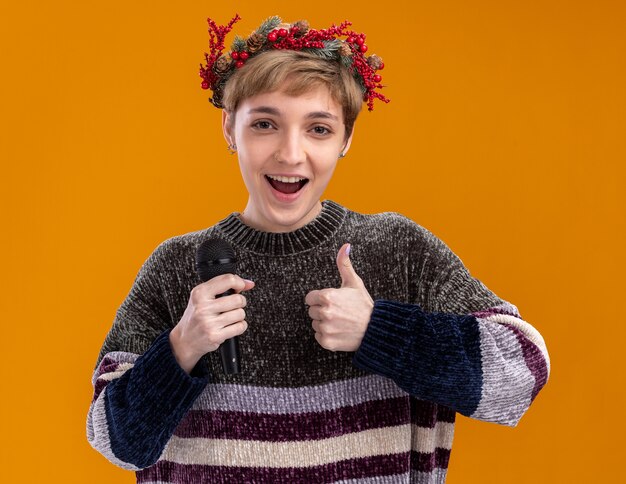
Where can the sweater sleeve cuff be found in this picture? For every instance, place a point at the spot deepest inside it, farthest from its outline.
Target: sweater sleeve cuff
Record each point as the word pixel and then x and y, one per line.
pixel 388 336
pixel 164 377
pixel 145 405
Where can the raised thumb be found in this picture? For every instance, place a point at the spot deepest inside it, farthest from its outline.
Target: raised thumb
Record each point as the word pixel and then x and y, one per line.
pixel 349 277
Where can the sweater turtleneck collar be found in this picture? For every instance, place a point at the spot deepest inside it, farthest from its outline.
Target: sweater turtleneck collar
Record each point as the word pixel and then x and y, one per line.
pixel 306 237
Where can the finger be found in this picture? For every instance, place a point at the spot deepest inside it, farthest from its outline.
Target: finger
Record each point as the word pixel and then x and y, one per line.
pixel 316 325
pixel 248 285
pixel 318 338
pixel 324 341
pixel 314 312
pixel 312 298
pixel 222 283
pixel 233 330
pixel 227 303
pixel 321 297
pixel 230 317
pixel 349 277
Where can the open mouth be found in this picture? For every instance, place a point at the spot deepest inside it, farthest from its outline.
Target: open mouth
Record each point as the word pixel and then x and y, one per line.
pixel 282 184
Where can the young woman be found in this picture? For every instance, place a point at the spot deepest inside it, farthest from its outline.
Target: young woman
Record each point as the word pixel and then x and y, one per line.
pixel 354 363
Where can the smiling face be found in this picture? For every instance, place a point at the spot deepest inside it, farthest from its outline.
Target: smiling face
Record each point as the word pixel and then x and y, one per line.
pixel 288 147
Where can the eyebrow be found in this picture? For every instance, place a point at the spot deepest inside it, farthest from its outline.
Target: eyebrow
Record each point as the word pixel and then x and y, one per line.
pixel 276 112
pixel 265 109
pixel 322 114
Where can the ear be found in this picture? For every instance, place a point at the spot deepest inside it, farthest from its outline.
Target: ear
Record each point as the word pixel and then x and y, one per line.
pixel 348 141
pixel 227 127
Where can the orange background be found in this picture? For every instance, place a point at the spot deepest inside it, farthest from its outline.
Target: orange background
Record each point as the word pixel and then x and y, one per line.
pixel 504 136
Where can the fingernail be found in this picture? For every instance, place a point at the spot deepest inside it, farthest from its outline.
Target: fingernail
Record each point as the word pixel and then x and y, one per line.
pixel 348 249
pixel 248 280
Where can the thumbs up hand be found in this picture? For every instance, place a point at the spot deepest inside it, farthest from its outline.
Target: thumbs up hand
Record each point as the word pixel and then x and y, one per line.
pixel 340 316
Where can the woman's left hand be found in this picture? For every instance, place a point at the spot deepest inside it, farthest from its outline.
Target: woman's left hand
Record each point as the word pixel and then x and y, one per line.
pixel 340 316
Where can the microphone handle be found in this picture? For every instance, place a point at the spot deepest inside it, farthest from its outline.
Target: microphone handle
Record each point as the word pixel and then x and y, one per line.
pixel 229 349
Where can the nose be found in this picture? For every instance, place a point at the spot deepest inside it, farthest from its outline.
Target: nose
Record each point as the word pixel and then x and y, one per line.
pixel 291 150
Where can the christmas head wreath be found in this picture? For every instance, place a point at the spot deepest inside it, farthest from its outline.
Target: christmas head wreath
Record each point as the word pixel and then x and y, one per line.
pixel 273 34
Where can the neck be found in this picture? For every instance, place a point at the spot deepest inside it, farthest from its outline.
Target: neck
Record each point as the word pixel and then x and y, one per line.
pixel 251 217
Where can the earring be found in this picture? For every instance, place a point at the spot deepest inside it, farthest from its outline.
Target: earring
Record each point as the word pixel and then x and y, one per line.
pixel 341 155
pixel 232 149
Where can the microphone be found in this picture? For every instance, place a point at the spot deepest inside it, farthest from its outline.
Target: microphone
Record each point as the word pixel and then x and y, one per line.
pixel 213 258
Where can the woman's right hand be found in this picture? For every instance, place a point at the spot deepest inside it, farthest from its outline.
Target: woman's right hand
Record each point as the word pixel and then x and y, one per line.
pixel 209 321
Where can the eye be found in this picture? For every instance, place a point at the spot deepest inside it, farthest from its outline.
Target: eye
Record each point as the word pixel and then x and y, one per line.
pixel 262 125
pixel 321 130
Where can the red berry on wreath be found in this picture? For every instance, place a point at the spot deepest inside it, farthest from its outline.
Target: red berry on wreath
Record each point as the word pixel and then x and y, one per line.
pixel 272 36
pixel 282 33
pixel 235 55
pixel 205 85
pixel 363 48
pixel 243 55
pixel 378 78
pixel 239 64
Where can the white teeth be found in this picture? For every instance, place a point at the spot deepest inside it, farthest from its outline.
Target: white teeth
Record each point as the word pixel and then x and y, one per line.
pixel 286 179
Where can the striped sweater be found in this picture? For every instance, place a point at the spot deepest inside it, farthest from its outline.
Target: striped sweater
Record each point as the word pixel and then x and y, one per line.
pixel 438 342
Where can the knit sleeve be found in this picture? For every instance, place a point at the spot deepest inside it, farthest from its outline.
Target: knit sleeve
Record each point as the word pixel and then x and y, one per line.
pixel 140 391
pixel 462 347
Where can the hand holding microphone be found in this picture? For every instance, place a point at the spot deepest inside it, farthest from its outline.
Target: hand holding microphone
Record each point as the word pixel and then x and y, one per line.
pixel 214 316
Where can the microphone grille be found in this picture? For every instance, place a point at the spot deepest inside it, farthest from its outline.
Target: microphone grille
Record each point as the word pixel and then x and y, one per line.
pixel 215 257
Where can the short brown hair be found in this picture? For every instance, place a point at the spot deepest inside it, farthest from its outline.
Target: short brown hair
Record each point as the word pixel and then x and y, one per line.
pixel 296 72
